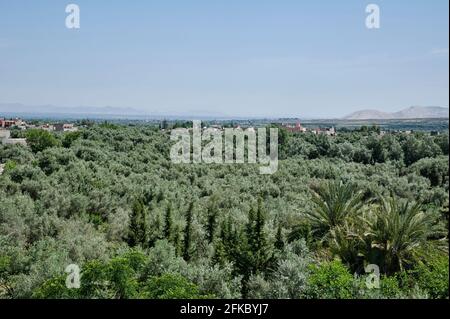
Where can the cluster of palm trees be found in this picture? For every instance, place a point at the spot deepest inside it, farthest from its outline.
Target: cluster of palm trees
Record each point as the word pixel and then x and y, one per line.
pixel 389 232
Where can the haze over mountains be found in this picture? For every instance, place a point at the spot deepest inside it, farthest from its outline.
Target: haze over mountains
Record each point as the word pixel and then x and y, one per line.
pixel 12 109
pixel 413 112
pixel 99 112
pixel 52 109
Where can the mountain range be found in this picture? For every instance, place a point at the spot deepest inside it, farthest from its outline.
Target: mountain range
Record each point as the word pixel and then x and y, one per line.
pixel 107 112
pixel 17 109
pixel 52 109
pixel 413 112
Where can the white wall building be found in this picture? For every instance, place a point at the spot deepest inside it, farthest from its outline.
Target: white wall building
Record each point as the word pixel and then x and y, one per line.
pixel 5 138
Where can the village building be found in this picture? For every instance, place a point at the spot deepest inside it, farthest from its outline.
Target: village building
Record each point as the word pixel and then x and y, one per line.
pixel 65 127
pixel 297 128
pixel 5 138
pixel 329 131
pixel 8 123
pixel 4 123
pixel 47 127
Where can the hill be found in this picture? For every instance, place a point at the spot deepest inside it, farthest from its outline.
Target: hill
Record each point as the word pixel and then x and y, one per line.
pixel 413 112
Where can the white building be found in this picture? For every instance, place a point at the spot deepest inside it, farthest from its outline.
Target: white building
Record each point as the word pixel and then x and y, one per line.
pixel 4 134
pixel 5 138
pixel 66 127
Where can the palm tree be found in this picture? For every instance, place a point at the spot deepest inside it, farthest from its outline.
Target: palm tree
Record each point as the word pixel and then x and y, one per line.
pixel 334 202
pixel 397 231
pixel 348 241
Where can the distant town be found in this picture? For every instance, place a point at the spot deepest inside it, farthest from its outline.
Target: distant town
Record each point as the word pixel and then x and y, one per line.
pixel 317 127
pixel 329 128
pixel 7 124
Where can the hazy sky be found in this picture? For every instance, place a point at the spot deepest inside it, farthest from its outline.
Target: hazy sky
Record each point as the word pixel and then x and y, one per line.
pixel 236 57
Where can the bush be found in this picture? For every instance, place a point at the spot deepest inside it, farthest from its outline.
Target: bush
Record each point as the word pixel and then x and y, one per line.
pixel 55 288
pixel 330 280
pixel 432 276
pixel 71 204
pixel 39 140
pixel 171 286
pixel 435 169
pixel 117 278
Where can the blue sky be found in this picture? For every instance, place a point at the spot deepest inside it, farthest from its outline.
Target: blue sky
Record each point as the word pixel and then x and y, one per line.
pixel 234 57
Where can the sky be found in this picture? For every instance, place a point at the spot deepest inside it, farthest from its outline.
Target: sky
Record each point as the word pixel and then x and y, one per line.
pixel 272 58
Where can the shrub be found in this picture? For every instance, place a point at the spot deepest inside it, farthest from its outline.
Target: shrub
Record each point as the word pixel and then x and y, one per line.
pixel 433 275
pixel 330 280
pixel 39 140
pixel 171 286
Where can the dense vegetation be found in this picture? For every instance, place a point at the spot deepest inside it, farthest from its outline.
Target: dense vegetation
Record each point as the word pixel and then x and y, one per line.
pixel 108 199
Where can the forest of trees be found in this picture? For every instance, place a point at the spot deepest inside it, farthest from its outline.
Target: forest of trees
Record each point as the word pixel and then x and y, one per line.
pixel 108 198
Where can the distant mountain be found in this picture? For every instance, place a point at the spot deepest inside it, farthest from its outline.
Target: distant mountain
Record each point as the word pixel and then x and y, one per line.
pixel 413 112
pixel 367 114
pixel 422 112
pixel 52 109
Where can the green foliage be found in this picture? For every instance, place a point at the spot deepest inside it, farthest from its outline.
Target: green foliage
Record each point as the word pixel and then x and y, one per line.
pixel 69 138
pixel 10 165
pixel 443 142
pixel 391 235
pixel 107 125
pixel 214 279
pixel 330 280
pixel 258 247
pixel 162 258
pixel 212 213
pixel 378 150
pixel 255 255
pixel 111 187
pixel 187 240
pixel 302 230
pixel 433 276
pixel 55 288
pixel 289 280
pixel 138 225
pixel 435 169
pixel 279 241
pixel 396 232
pixel 170 286
pixel 334 202
pixel 390 287
pixel 418 148
pixel 168 228
pixel 39 140
pixel 118 278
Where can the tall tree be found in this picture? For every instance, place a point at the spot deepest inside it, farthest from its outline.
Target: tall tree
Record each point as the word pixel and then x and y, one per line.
pixel 226 246
pixel 177 242
pixel 211 219
pixel 168 222
pixel 259 245
pixel 255 255
pixel 39 140
pixel 333 202
pixel 397 231
pixel 279 241
pixel 188 232
pixel 137 234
